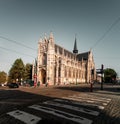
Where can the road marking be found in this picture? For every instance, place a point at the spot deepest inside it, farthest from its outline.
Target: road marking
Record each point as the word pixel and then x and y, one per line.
pixel 62 114
pixel 101 97
pixel 24 117
pixel 78 99
pixel 84 100
pixel 79 103
pixel 96 99
pixel 83 110
pixel 89 96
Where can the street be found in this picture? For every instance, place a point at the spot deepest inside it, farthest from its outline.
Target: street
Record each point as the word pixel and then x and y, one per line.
pixel 70 104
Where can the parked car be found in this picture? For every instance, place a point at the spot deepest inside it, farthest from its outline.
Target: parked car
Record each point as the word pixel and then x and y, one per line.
pixel 13 85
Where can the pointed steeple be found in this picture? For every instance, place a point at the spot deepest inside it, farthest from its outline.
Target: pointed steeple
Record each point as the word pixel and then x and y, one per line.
pixel 45 37
pixel 40 40
pixel 51 35
pixel 75 50
pixel 51 38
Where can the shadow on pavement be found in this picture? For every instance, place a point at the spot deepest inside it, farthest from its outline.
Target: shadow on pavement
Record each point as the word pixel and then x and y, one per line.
pixel 104 118
pixel 77 88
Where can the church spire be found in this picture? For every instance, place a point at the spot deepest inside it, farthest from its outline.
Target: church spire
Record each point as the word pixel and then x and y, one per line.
pixel 51 35
pixel 75 50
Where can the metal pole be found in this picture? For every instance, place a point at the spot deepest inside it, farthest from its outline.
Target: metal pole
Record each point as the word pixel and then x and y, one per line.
pixel 92 78
pixel 102 66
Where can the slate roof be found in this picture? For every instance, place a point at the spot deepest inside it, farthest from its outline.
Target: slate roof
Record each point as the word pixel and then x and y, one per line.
pixel 83 56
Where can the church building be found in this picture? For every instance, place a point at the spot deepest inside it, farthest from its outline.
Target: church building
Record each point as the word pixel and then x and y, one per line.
pixel 56 65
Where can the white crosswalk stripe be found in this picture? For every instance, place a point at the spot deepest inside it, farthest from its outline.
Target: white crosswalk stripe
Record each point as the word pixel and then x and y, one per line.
pixel 62 114
pixel 71 107
pixel 25 117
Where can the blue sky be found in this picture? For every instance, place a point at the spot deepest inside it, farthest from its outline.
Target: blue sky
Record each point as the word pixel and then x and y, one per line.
pixel 25 21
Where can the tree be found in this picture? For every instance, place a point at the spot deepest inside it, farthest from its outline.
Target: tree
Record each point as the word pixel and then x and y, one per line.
pixel 28 71
pixel 17 71
pixel 110 75
pixel 3 77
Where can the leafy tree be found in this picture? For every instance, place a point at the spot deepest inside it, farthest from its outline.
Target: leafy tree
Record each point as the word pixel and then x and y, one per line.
pixel 28 71
pixel 3 77
pixel 110 75
pixel 17 71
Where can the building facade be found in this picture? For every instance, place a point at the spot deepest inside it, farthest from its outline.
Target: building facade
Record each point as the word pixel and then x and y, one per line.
pixel 58 66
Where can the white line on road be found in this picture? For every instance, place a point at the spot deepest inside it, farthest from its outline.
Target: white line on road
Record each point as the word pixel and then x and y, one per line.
pixel 24 117
pixel 83 110
pixel 94 96
pixel 84 100
pixel 78 99
pixel 79 103
pixel 62 114
pixel 101 97
pixel 90 98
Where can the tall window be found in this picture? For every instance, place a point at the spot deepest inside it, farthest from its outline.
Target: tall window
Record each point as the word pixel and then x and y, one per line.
pixel 44 59
pixel 60 50
pixel 65 72
pixel 59 70
pixel 74 73
pixel 69 72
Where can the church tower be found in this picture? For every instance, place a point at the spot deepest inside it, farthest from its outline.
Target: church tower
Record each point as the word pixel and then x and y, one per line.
pixel 50 60
pixel 46 49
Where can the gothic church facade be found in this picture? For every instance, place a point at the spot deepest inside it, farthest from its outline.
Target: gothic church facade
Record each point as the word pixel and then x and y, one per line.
pixel 58 66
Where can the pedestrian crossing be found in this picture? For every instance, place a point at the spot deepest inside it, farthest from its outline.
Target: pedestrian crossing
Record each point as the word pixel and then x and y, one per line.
pixel 76 109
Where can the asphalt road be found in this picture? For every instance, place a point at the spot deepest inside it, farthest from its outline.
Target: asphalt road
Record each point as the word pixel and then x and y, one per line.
pixel 73 104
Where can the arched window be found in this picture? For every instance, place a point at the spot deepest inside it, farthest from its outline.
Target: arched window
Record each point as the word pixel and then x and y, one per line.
pixel 44 59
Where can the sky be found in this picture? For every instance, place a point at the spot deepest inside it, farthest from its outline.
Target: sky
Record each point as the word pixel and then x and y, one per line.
pixel 95 23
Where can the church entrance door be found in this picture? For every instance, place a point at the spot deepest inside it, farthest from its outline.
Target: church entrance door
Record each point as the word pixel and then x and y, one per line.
pixel 43 76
